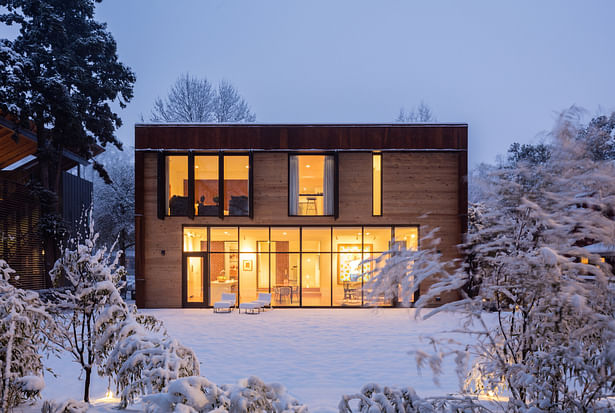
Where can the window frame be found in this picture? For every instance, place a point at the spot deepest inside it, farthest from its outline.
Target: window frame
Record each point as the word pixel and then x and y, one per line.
pixel 163 211
pixel 379 154
pixel 333 154
pixel 250 185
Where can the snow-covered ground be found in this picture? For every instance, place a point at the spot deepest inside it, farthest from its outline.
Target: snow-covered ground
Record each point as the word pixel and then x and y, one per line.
pixel 318 354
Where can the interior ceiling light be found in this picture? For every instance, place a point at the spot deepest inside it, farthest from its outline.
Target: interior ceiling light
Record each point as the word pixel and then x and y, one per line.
pixel 307 166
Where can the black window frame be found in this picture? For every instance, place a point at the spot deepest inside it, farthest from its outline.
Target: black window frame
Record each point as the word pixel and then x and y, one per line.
pixel 163 211
pixel 334 154
pixel 193 185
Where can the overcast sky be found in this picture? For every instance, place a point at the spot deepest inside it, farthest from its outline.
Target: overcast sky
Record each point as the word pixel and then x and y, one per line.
pixel 505 69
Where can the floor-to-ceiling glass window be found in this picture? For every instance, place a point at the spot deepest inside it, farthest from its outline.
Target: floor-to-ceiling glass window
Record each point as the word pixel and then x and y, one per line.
pixel 316 266
pixel 223 262
pixel 376 240
pixel 347 268
pixel 285 266
pixel 307 266
pixel 253 262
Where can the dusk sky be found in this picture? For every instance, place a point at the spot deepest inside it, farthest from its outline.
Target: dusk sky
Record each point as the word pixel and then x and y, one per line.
pixel 505 69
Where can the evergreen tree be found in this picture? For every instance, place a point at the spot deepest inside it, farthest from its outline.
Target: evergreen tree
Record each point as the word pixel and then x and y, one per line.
pixel 59 77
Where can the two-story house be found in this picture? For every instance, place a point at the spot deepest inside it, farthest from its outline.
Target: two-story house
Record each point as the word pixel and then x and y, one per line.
pixel 294 210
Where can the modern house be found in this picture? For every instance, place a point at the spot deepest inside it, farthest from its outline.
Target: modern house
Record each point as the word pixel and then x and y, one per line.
pixel 294 210
pixel 20 237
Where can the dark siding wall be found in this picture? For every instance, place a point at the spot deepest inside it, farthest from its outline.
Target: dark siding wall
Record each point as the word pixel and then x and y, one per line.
pixel 76 198
pixel 20 242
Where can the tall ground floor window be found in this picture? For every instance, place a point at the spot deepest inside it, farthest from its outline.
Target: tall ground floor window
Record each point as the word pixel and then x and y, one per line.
pixel 306 266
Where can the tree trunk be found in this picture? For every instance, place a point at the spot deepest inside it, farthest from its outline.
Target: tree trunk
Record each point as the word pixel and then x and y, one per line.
pixel 7 368
pixel 86 389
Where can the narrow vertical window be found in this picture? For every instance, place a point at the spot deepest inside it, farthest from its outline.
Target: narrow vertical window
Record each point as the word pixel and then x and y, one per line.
pixel 177 200
pixel 206 195
pixel 377 184
pixel 236 185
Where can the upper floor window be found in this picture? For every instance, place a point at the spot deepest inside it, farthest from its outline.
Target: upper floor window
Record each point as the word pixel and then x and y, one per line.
pixel 311 186
pixel 205 185
pixel 236 185
pixel 177 200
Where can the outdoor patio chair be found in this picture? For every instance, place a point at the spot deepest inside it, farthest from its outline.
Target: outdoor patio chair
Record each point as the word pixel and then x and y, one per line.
pixel 264 299
pixel 226 305
pixel 253 307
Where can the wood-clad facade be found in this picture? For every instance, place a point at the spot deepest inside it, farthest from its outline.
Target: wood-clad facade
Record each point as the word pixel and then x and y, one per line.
pixel 422 185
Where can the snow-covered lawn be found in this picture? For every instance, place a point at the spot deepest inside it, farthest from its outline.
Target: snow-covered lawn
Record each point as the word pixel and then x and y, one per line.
pixel 318 354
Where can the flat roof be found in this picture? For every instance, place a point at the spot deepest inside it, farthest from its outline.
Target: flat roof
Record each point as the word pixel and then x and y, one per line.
pixel 301 136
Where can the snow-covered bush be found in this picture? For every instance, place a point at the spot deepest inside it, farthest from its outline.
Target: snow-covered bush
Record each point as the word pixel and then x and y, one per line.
pixel 376 399
pixel 89 303
pixel 199 395
pixel 549 344
pixel 23 323
pixel 142 362
pixel 64 406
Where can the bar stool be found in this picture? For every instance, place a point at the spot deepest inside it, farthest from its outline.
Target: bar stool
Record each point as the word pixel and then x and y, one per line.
pixel 310 204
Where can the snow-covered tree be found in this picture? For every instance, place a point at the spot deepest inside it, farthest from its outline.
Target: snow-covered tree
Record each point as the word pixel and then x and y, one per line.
pixel 550 340
pixel 374 399
pixel 114 202
pixel 144 359
pixel 199 395
pixel 59 78
pixel 193 99
pixel 88 301
pixel 24 323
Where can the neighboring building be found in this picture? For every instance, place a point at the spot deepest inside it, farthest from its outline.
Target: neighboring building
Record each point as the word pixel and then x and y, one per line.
pixel 288 209
pixel 20 239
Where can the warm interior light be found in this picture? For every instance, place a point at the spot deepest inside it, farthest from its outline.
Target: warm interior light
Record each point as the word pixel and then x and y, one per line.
pixel 109 394
pixel 247 166
pixel 307 166
pixel 284 233
pixel 225 232
pixel 196 166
